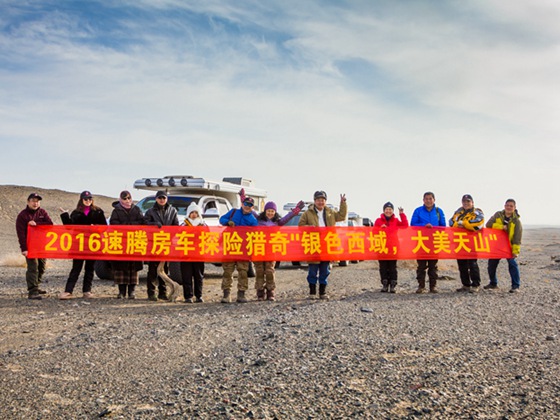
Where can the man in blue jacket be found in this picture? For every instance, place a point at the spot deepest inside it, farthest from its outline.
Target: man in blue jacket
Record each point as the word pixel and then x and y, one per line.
pixel 237 217
pixel 428 215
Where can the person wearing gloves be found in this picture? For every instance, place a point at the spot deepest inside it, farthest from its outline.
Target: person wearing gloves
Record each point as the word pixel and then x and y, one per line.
pixel 125 273
pixel 508 220
pixel 32 215
pixel 265 273
pixel 192 272
pixel 318 214
pixel 237 217
pixel 161 214
pixel 390 223
pixel 470 218
pixel 86 213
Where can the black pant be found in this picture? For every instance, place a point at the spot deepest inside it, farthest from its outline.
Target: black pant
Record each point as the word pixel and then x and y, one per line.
pixel 388 269
pixel 190 271
pixel 469 272
pixel 75 273
pixel 154 281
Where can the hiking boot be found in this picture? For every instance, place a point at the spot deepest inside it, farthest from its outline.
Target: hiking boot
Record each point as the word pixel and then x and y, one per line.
pixel 323 292
pixel 88 295
pixel 393 287
pixel 421 290
pixel 514 290
pixel 434 290
pixel 226 297
pixel 153 298
pixel 260 295
pixel 42 292
pixel 65 296
pixel 34 296
pixel 270 295
pixel 385 286
pixel 312 291
pixel 474 289
pixel 464 289
pixel 241 296
pixel 490 286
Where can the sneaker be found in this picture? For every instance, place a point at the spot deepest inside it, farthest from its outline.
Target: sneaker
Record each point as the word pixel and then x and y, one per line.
pixel 162 296
pixel 421 290
pixel 120 296
pixel 260 295
pixel 88 295
pixel 434 290
pixel 270 295
pixel 132 295
pixel 42 292
pixel 463 289
pixel 34 296
pixel 490 286
pixel 65 296
pixel 188 300
pixel 153 298
pixel 474 289
pixel 516 290
pixel 199 300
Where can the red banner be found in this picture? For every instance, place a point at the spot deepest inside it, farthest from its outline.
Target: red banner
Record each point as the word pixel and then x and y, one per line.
pixel 220 244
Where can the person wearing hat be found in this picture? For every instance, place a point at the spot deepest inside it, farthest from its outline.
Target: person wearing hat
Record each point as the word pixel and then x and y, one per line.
pixel 86 213
pixel 318 214
pixel 265 273
pixel 161 214
pixel 429 216
pixel 125 273
pixel 237 217
pixel 509 221
pixel 390 223
pixel 470 218
pixel 192 272
pixel 32 215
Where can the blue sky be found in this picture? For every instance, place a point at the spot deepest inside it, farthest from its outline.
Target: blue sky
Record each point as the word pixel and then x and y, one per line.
pixel 379 100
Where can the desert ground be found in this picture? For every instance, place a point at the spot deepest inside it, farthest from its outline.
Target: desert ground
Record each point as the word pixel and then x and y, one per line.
pixel 360 354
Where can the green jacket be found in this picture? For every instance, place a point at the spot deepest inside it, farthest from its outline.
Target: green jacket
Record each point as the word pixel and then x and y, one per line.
pixel 514 228
pixel 310 218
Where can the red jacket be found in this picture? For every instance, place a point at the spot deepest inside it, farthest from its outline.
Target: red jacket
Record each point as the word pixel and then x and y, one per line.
pixel 40 216
pixel 393 222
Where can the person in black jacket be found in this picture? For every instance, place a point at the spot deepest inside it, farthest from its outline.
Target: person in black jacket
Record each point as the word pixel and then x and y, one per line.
pixel 161 214
pixel 86 213
pixel 125 273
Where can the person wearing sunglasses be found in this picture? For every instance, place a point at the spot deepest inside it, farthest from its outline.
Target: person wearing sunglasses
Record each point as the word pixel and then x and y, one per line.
pixel 237 217
pixel 85 213
pixel 125 273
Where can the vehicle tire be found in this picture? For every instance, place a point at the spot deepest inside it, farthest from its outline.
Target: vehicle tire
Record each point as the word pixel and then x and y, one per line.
pixel 103 270
pixel 251 270
pixel 277 265
pixel 343 263
pixel 175 272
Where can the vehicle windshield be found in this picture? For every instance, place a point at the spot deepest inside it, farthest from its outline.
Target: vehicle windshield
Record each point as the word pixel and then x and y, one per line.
pixel 293 221
pixel 180 203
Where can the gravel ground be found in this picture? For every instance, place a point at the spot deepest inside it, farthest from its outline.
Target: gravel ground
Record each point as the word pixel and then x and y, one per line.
pixel 361 354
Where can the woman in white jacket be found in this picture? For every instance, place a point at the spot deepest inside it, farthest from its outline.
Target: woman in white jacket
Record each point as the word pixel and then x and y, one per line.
pixel 192 272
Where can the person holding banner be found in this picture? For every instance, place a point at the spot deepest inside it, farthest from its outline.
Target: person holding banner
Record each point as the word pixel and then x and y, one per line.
pixel 237 217
pixel 390 223
pixel 428 215
pixel 508 220
pixel 32 215
pixel 265 269
pixel 125 212
pixel 192 272
pixel 161 214
pixel 318 214
pixel 470 218
pixel 86 213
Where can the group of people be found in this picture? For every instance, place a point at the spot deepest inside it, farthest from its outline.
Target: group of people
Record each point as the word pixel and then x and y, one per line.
pixel 318 214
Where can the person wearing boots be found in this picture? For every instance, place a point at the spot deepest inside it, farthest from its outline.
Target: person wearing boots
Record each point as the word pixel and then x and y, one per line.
pixel 318 214
pixel 508 220
pixel 86 213
pixel 192 272
pixel 390 223
pixel 161 214
pixel 32 215
pixel 470 218
pixel 125 273
pixel 237 217
pixel 428 215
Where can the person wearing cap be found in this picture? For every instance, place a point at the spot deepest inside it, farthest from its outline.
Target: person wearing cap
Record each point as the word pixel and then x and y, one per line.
pixel 509 221
pixel 318 214
pixel 161 214
pixel 86 213
pixel 265 272
pixel 429 216
pixel 471 218
pixel 32 215
pixel 390 223
pixel 192 272
pixel 237 217
pixel 125 273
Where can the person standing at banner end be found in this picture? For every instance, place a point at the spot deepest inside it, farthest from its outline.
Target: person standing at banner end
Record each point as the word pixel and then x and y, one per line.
pixel 32 215
pixel 428 215
pixel 318 214
pixel 237 217
pixel 509 221
pixel 471 218
pixel 390 223
pixel 86 213
pixel 125 273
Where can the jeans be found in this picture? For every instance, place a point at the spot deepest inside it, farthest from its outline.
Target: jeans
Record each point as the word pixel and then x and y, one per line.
pixel 320 271
pixel 513 272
